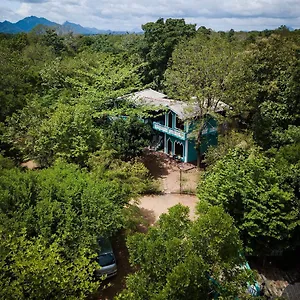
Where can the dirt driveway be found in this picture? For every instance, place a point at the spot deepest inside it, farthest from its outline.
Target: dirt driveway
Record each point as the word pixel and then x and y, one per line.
pixel 167 171
pixel 153 206
pixel 174 177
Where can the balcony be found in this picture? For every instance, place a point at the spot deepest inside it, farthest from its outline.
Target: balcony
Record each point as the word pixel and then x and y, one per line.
pixel 171 131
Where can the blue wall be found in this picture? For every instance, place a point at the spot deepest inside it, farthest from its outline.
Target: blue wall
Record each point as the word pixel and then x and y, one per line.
pixel 173 140
pixel 210 138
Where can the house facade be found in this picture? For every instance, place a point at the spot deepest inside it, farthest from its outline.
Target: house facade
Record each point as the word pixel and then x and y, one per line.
pixel 175 126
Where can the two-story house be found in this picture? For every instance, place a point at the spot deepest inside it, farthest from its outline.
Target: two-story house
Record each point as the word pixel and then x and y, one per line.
pixel 175 125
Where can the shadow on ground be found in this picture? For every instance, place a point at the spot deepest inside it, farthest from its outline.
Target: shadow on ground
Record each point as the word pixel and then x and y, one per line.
pixel 174 176
pixel 280 274
pixel 149 216
pixel 156 162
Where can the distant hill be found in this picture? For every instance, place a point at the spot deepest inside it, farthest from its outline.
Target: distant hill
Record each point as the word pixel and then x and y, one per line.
pixel 8 27
pixel 76 28
pixel 28 23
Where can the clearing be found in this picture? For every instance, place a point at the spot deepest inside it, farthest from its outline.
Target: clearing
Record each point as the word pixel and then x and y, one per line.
pixel 167 171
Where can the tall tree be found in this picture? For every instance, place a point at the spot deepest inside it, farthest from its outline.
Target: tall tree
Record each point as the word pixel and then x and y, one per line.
pixel 50 221
pixel 180 259
pixel 198 73
pixel 67 132
pixel 127 137
pixel 198 70
pixel 14 85
pixel 256 192
pixel 264 88
pixel 64 120
pixel 160 39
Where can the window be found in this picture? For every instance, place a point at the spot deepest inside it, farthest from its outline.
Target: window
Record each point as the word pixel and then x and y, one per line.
pixel 170 120
pixel 178 149
pixel 179 124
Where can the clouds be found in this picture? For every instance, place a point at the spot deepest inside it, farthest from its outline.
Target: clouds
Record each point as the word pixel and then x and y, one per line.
pixel 126 14
pixel 31 1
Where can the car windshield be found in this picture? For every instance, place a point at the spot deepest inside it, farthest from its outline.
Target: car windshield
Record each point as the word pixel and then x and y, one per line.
pixel 106 259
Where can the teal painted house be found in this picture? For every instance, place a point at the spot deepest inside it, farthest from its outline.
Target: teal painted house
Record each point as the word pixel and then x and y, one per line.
pixel 173 122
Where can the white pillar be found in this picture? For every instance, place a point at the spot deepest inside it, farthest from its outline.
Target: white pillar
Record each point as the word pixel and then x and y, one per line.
pixel 165 143
pixel 186 151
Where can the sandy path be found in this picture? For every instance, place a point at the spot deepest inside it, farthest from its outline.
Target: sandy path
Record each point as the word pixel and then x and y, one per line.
pixel 153 206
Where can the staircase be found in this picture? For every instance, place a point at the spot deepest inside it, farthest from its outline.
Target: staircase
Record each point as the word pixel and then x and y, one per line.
pixel 157 143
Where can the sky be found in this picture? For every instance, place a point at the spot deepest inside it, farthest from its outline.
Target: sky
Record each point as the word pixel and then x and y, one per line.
pixel 129 15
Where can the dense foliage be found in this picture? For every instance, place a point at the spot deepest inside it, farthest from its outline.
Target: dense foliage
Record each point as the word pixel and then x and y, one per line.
pixel 160 39
pixel 128 137
pixel 60 105
pixel 50 222
pixel 263 87
pixel 260 194
pixel 181 259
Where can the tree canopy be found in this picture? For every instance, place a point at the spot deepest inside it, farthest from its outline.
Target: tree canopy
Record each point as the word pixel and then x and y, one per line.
pixel 50 222
pixel 181 259
pixel 61 105
pixel 257 192
pixel 160 39
pixel 264 91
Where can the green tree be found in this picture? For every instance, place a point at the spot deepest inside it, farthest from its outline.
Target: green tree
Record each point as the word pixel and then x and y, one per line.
pixel 128 137
pixel 255 192
pixel 89 77
pixel 198 75
pixel 132 176
pixel 50 222
pixel 179 259
pixel 198 70
pixel 13 82
pixel 160 39
pixel 51 39
pixel 264 88
pixel 48 90
pixel 44 135
pixel 229 140
pixel 35 269
pixel 69 133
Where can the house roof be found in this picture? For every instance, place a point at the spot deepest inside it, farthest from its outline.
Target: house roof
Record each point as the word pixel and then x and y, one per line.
pixel 149 93
pixel 182 109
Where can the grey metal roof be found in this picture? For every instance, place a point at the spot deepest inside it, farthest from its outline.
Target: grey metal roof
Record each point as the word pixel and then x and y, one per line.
pixel 149 93
pixel 182 109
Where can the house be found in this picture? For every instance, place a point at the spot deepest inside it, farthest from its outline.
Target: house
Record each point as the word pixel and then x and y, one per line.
pixel 175 122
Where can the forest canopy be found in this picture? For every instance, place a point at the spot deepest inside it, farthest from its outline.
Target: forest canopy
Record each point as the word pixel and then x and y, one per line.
pixel 61 106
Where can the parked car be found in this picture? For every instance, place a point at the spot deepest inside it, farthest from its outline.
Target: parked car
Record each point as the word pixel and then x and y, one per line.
pixel 106 259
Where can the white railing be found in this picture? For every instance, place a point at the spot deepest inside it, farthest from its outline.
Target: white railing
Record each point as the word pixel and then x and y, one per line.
pixel 171 131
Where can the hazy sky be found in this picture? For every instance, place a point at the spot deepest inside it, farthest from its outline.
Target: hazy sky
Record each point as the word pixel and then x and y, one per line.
pixel 129 15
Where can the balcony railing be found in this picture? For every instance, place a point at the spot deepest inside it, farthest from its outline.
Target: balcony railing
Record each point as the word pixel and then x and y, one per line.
pixel 171 131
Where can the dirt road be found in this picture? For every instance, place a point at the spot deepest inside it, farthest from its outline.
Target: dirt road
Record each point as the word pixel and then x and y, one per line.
pixel 153 206
pixel 167 171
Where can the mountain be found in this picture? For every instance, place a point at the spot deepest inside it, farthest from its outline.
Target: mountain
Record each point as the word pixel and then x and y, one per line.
pixel 8 27
pixel 76 28
pixel 28 23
